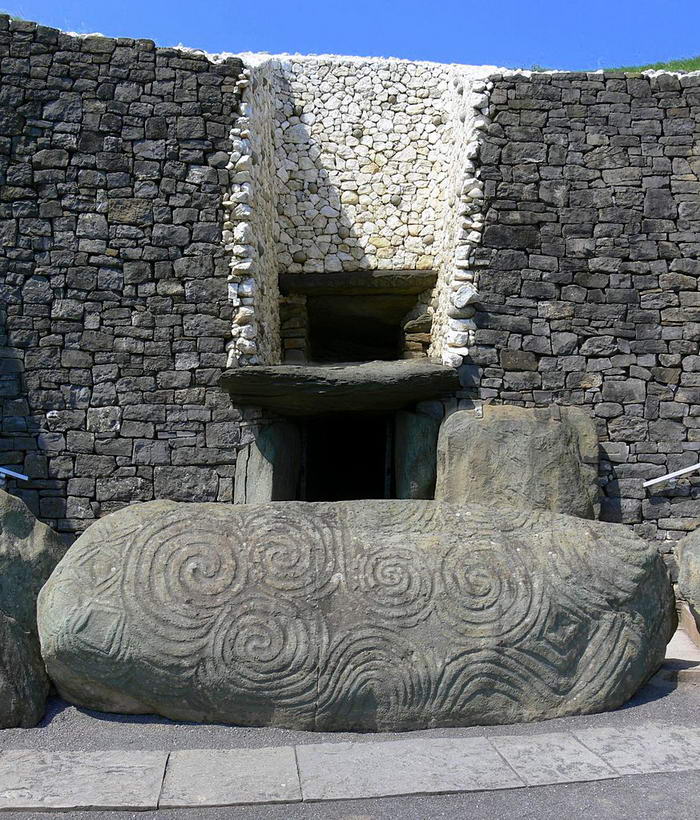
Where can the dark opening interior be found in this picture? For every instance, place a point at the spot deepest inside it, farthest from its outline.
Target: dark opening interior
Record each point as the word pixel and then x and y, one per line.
pixel 347 457
pixel 356 328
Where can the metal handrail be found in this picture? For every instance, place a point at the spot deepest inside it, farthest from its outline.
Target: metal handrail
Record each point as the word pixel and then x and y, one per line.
pixel 6 473
pixel 671 475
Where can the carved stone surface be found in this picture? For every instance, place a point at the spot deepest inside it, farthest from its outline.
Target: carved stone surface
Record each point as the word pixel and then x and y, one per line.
pixel 29 551
pixel 297 390
pixel 527 458
pixel 688 552
pixel 371 615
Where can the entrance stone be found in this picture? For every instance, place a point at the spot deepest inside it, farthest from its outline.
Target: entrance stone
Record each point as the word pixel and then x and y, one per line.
pixel 29 551
pixel 543 459
pixel 359 615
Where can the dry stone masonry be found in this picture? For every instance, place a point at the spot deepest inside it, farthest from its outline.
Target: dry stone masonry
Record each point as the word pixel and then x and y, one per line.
pixel 114 311
pixel 589 286
pixel 151 198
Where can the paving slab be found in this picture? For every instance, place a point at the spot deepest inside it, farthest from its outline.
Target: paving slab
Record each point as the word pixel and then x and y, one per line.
pixel 64 781
pixel 645 750
pixel 222 777
pixel 554 757
pixel 344 771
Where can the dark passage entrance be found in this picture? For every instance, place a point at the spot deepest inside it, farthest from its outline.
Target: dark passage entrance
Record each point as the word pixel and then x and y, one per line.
pixel 356 328
pixel 348 457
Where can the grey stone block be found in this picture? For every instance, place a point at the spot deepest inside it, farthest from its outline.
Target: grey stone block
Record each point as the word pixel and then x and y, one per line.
pixel 29 551
pixel 644 750
pixel 216 777
pixel 688 553
pixel 346 771
pixel 556 757
pixel 370 615
pixel 74 781
pixel 531 459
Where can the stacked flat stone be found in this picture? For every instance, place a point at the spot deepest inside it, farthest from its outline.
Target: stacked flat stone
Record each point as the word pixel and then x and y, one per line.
pixel 114 307
pixel 454 327
pixel 590 287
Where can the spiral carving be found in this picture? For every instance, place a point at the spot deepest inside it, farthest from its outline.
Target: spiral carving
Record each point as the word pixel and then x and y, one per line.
pixel 178 574
pixel 395 583
pixel 265 648
pixel 488 591
pixel 292 551
pixel 353 615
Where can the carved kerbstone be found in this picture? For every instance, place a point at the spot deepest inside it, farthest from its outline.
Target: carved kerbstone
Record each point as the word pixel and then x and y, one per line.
pixel 544 458
pixel 370 615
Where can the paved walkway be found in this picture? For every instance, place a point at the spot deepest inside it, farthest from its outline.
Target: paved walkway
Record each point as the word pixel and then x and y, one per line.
pixel 135 780
pixel 47 780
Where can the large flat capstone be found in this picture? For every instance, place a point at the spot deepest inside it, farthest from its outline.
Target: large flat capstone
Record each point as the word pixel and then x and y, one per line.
pixel 369 615
pixel 301 390
pixel 29 551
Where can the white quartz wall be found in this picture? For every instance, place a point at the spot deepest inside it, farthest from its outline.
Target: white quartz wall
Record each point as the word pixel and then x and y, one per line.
pixel 347 164
pixel 252 227
pixel 362 163
pixel 462 218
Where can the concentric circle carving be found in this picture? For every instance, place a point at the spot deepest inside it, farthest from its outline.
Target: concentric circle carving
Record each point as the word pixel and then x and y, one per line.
pixel 488 591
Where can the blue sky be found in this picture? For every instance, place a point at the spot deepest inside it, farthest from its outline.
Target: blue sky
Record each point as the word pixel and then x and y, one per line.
pixel 565 34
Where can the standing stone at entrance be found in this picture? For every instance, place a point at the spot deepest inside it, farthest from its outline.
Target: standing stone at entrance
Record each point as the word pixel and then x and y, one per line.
pixel 356 615
pixel 29 551
pixel 267 469
pixel 543 459
pixel 688 553
pixel 415 442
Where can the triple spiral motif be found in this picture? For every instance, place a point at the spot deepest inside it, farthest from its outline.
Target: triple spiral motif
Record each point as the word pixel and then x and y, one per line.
pixel 335 616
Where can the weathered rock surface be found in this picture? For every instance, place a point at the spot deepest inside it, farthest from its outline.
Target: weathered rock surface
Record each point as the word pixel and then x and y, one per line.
pixel 29 551
pixel 688 555
pixel 372 615
pixel 298 390
pixel 544 459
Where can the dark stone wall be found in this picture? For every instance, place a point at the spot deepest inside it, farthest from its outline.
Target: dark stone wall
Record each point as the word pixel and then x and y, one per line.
pixel 589 273
pixel 113 281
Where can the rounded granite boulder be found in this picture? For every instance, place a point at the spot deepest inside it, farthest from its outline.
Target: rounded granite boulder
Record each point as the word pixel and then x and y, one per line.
pixel 29 551
pixel 359 615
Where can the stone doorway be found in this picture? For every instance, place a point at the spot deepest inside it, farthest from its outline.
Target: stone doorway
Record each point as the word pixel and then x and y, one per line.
pixel 340 457
pixel 347 456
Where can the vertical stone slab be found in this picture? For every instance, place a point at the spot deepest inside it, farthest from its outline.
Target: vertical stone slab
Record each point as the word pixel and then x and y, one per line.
pixel 268 469
pixel 541 459
pixel 415 454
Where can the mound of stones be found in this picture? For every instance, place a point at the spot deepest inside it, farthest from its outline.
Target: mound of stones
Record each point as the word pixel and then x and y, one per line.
pixel 29 551
pixel 366 615
pixel 688 554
